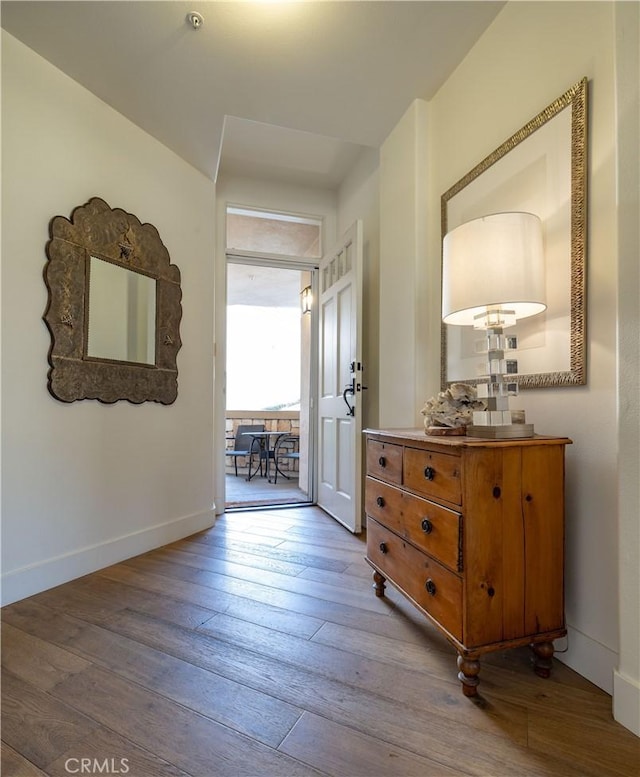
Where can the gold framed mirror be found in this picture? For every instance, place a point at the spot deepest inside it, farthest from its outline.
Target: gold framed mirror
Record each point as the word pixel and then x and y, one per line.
pixel 114 308
pixel 541 169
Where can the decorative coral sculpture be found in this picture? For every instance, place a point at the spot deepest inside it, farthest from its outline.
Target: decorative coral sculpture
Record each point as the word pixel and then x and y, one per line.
pixel 452 410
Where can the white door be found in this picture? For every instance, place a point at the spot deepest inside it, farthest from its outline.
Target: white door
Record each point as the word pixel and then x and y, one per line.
pixel 340 381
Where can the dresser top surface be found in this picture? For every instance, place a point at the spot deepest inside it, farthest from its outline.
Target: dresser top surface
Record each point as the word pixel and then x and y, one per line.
pixel 459 441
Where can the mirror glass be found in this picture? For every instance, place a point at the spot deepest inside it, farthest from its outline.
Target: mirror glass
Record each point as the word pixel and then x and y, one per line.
pixel 122 314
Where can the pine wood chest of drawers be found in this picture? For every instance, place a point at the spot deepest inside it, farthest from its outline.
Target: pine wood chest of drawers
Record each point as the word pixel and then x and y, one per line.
pixel 471 531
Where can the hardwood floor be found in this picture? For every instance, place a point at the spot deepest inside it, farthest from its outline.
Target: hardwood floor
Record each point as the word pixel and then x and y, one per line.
pixel 258 648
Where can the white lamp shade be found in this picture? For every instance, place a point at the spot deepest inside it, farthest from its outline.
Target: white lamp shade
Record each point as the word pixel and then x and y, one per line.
pixel 496 260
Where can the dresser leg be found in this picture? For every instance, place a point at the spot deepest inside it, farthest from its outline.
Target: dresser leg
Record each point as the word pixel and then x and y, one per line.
pixel 542 658
pixel 468 675
pixel 378 583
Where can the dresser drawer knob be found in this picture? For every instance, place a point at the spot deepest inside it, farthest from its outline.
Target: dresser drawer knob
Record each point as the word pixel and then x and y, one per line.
pixel 383 548
pixel 431 587
pixel 429 473
pixel 427 526
pixel 380 501
pixel 382 461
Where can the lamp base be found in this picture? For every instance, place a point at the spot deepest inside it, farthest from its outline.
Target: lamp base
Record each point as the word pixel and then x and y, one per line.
pixel 504 432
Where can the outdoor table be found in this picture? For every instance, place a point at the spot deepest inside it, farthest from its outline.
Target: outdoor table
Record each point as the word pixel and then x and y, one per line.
pixel 267 450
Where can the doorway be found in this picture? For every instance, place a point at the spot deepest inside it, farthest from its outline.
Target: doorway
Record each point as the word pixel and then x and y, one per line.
pixel 268 386
pixel 270 360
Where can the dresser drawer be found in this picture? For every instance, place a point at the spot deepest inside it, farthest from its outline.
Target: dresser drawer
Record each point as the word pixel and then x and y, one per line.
pixel 425 524
pixel 433 474
pixel 384 461
pixel 421 578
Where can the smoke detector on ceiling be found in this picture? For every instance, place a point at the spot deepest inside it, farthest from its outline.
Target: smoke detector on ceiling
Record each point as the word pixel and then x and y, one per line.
pixel 195 19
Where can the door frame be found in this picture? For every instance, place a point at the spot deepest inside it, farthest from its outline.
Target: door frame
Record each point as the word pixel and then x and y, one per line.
pixel 288 263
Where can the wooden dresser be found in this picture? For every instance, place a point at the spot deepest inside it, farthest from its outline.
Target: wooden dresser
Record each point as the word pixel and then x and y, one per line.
pixel 471 531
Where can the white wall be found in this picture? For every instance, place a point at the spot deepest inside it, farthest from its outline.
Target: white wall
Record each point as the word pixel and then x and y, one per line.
pixel 86 484
pixel 626 699
pixel 529 56
pixel 403 233
pixel 358 199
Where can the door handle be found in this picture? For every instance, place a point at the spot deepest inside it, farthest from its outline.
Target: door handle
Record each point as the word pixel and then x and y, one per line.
pixel 349 389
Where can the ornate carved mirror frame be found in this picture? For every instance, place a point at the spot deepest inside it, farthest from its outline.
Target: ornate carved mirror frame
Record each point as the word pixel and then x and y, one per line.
pixel 119 238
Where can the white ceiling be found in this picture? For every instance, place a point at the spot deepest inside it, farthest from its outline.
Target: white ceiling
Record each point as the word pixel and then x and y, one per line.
pixel 288 91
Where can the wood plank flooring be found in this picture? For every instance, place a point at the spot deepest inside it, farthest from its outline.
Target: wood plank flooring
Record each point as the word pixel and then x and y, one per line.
pixel 258 649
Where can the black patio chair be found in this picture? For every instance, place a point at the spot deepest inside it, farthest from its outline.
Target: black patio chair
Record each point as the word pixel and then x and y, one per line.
pixel 245 445
pixel 287 447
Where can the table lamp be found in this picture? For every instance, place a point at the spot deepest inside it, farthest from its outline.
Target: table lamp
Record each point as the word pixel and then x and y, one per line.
pixel 493 275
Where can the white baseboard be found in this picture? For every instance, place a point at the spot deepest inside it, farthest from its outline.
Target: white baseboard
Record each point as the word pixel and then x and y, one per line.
pixel 34 578
pixel 589 658
pixel 626 702
pixel 597 663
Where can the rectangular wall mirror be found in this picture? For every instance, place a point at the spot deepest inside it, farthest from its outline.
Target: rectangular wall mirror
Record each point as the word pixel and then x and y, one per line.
pixel 122 314
pixel 541 169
